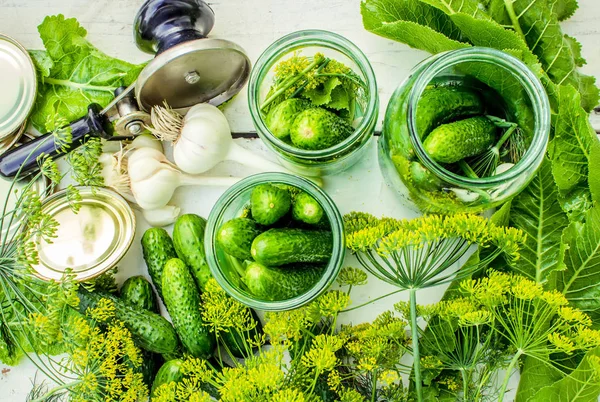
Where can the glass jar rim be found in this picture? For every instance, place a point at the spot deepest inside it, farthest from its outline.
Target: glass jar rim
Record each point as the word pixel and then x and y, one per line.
pixel 530 83
pixel 312 37
pixel 337 229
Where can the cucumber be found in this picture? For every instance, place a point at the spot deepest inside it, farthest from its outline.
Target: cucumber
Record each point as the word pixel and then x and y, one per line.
pixel 170 371
pixel 150 331
pixel 423 178
pixel 444 104
pixel 281 118
pixel 182 299
pixel 306 209
pixel 317 128
pixel 274 284
pixel 157 248
pixel 453 142
pixel 188 239
pixel 287 246
pixel 269 203
pixel 138 292
pixel 235 237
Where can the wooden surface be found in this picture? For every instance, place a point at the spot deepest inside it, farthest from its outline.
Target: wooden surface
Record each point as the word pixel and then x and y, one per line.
pixel 254 25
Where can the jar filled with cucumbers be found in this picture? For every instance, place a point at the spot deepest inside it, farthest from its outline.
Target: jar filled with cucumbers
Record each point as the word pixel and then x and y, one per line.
pixel 274 241
pixel 313 100
pixel 465 132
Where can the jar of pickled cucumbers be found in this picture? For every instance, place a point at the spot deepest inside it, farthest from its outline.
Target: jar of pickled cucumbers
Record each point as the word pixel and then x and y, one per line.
pixel 465 132
pixel 313 100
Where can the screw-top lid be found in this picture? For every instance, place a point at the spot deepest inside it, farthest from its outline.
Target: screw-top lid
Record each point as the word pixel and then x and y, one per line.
pixel 197 71
pixel 18 86
pixel 90 241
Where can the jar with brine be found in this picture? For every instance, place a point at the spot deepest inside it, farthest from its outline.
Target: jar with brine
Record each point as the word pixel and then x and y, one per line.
pixel 465 132
pixel 313 100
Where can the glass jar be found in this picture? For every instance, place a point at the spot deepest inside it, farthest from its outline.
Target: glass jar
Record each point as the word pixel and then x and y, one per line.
pixel 509 88
pixel 308 43
pixel 227 270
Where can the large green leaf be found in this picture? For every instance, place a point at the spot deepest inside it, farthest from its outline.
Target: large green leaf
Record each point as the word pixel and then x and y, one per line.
pixel 537 212
pixel 573 141
pixel 535 375
pixel 582 385
pixel 580 280
pixel 73 73
pixel 539 24
pixel 594 173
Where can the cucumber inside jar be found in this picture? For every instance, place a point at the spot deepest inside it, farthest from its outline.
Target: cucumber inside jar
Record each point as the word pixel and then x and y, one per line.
pixel 279 244
pixel 315 101
pixel 468 129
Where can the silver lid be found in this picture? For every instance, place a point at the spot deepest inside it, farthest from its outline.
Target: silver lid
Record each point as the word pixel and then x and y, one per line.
pixel 197 71
pixel 18 86
pixel 90 241
pixel 12 139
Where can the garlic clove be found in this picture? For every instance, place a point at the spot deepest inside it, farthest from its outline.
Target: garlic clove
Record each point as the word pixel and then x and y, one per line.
pixel 157 190
pixel 161 216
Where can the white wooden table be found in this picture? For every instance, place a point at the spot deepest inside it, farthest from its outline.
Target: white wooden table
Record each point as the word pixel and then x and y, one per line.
pixel 254 25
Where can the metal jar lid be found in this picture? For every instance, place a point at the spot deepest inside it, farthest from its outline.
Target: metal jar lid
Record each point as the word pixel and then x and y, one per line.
pixel 9 196
pixel 18 85
pixel 89 242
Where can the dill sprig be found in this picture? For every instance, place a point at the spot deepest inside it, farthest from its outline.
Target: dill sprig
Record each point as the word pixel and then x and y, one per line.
pixel 421 253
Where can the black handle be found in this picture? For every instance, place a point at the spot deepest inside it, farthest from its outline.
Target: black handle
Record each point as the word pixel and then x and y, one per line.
pixel 162 24
pixel 24 159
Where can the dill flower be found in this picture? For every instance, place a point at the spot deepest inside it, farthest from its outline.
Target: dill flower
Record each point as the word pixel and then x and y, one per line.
pixel 479 317
pixel 350 395
pixel 389 378
pixel 350 276
pixel 574 316
pixel 222 313
pixel 321 355
pixel 330 304
pixel 334 380
pixel 289 395
pixel 286 325
pixel 103 311
pixel 561 342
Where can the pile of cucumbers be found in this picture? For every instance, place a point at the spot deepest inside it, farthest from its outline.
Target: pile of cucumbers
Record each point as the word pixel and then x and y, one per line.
pixel 179 273
pixel 283 241
pixel 453 124
pixel 306 126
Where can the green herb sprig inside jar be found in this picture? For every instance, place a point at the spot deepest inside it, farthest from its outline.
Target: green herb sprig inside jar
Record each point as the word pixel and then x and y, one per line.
pixel 465 132
pixel 313 100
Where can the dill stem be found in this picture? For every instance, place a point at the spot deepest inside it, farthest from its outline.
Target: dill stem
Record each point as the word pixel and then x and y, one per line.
pixel 506 136
pixel 56 390
pixel 467 170
pixel 465 384
pixel 288 83
pixel 507 376
pixel 372 301
pixel 374 386
pixel 415 343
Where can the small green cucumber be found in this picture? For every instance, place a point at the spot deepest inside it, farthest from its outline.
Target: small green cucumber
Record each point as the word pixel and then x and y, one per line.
pixel 188 240
pixel 274 284
pixel 138 292
pixel 170 371
pixel 157 248
pixel 317 128
pixel 269 203
pixel 235 237
pixel 150 331
pixel 287 246
pixel 306 209
pixel 444 104
pixel 281 118
pixel 182 299
pixel 452 142
pixel 423 178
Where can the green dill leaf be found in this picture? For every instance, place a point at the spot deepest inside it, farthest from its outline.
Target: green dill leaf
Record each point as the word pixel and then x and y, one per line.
pixel 74 72
pixel 537 212
pixel 581 275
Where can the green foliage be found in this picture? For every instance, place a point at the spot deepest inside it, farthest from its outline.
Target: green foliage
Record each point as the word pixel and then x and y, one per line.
pixel 73 73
